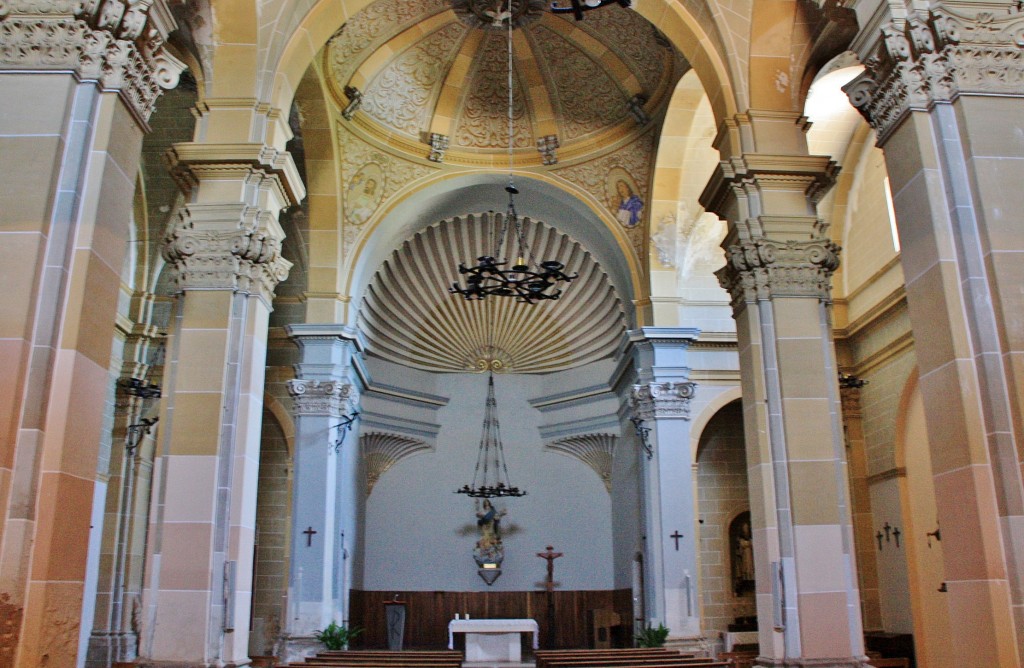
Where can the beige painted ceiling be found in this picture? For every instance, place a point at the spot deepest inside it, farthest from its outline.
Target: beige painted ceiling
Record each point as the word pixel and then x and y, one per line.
pixel 423 67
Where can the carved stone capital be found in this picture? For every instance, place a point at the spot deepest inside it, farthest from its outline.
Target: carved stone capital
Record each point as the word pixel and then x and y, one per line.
pixel 322 397
pixel 669 399
pixel 208 254
pixel 765 268
pixel 923 60
pixel 120 44
pixel 850 397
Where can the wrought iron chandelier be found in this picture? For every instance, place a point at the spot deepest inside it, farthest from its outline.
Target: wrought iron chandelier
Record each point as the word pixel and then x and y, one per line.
pixel 577 7
pixel 526 280
pixel 490 478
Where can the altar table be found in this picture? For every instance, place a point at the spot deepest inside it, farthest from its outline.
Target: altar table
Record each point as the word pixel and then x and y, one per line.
pixel 492 639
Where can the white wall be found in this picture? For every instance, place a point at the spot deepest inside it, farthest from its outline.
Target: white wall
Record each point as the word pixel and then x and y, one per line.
pixel 420 534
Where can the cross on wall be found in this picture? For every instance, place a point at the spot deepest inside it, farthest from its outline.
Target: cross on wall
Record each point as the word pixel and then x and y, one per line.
pixel 310 532
pixel 676 536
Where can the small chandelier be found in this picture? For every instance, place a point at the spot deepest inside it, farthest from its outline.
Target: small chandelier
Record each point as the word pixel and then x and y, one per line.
pixel 527 280
pixel 490 478
pixel 577 7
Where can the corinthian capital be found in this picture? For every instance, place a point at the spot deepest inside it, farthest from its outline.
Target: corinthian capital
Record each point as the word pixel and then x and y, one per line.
pixel 118 43
pixel 763 268
pixel 209 252
pixel 663 400
pixel 927 59
pixel 322 397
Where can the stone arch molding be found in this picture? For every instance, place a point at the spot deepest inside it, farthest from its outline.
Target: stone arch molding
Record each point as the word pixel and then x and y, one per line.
pixel 382 450
pixel 595 450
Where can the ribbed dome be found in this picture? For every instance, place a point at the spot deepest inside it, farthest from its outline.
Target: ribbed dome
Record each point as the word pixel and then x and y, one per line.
pixel 410 318
pixel 424 67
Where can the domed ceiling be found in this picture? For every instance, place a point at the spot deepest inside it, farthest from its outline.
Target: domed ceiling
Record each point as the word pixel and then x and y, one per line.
pixel 439 67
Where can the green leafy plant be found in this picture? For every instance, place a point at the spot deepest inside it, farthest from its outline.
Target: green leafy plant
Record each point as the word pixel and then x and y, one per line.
pixel 652 637
pixel 337 637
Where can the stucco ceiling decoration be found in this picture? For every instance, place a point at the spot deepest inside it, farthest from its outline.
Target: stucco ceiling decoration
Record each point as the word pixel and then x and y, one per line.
pixel 594 450
pixel 439 68
pixel 492 13
pixel 382 450
pixel 410 318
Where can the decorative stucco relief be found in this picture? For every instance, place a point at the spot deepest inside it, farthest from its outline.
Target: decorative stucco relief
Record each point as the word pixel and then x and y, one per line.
pixel 362 163
pixel 483 120
pixel 764 268
pixel 932 59
pixel 586 98
pixel 381 451
pixel 637 42
pixel 322 397
pixel 400 94
pixel 669 399
pixel 594 177
pixel 594 450
pixel 118 44
pixel 371 27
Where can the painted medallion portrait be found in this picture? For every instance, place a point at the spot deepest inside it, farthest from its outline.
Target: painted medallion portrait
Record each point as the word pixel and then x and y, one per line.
pixel 364 193
pixel 624 197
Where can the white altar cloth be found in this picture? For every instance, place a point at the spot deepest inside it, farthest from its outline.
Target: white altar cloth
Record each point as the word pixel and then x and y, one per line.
pixel 492 639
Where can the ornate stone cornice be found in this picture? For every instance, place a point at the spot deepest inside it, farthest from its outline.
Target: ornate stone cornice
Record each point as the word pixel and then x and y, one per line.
pixel 322 397
pixel 765 268
pixel 850 397
pixel 117 43
pixel 669 399
pixel 209 253
pixel 924 60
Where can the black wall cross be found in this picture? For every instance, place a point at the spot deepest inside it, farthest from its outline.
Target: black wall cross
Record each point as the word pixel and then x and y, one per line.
pixel 310 532
pixel 676 536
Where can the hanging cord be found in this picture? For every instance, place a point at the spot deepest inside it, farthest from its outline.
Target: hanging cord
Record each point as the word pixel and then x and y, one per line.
pixel 511 188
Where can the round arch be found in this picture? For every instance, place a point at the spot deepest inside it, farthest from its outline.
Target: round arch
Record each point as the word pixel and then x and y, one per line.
pixel 700 422
pixel 698 41
pixel 555 202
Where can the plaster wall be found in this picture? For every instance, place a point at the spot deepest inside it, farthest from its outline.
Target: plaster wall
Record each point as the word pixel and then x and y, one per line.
pixel 420 535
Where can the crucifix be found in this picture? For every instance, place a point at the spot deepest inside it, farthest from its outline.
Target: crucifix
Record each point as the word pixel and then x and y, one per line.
pixel 549 584
pixel 879 536
pixel 309 536
pixel 676 536
pixel 896 534
pixel 550 555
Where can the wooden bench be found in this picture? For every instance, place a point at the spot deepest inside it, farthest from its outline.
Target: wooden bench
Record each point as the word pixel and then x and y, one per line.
pixel 544 656
pixel 900 662
pixel 622 663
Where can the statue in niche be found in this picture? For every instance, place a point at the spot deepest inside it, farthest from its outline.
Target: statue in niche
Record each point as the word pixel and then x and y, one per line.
pixel 741 551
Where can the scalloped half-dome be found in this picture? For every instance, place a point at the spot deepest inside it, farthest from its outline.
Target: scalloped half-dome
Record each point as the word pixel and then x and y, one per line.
pixel 410 318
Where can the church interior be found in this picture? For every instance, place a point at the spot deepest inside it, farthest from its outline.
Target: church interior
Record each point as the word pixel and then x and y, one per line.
pixel 595 315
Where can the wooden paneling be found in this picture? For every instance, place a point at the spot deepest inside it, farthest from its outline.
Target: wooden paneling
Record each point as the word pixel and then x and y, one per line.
pixel 429 612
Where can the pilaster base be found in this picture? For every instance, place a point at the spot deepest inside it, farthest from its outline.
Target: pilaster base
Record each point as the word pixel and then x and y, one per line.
pixel 110 648
pixel 297 648
pixel 839 662
pixel 696 645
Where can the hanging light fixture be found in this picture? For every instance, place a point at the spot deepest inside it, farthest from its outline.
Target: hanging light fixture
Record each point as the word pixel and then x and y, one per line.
pixel 577 7
pixel 490 478
pixel 527 280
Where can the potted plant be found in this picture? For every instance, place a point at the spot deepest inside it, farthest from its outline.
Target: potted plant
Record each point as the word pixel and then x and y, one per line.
pixel 652 637
pixel 335 637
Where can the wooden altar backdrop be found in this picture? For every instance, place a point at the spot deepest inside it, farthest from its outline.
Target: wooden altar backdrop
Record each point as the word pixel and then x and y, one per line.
pixel 429 612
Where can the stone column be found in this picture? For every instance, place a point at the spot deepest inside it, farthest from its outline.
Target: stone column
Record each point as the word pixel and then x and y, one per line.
pixel 325 397
pixel 78 81
pixel 662 400
pixel 225 250
pixel 943 91
pixel 779 265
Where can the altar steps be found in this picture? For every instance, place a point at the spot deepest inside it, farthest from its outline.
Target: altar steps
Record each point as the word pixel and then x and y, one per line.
pixel 382 659
pixel 624 658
